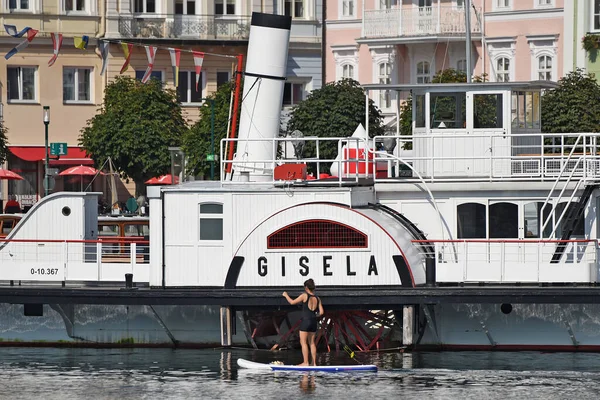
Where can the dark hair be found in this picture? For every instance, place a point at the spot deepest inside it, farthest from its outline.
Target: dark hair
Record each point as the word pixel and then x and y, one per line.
pixel 309 284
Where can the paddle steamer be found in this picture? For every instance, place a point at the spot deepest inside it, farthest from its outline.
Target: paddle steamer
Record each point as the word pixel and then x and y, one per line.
pixel 477 197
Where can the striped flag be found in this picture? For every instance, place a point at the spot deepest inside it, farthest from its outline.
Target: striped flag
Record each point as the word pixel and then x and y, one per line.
pixel 57 39
pixel 151 54
pixel 175 56
pixel 198 59
pixel 81 42
pixel 127 49
pixel 103 47
pixel 12 31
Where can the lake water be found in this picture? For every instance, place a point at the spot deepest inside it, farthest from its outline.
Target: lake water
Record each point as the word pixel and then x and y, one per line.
pixel 57 373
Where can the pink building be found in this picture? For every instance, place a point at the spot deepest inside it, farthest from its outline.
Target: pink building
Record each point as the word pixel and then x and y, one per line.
pixel 408 41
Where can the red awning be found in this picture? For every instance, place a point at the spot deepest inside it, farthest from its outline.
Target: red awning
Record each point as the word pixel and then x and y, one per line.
pixel 75 155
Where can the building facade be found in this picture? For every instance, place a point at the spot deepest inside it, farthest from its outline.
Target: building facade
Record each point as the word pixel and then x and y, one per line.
pixel 408 41
pixel 73 87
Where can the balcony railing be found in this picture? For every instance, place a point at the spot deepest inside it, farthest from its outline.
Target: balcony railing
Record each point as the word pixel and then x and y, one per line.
pixel 207 27
pixel 422 21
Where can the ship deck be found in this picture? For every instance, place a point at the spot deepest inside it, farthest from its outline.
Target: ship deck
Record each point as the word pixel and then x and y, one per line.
pixel 251 298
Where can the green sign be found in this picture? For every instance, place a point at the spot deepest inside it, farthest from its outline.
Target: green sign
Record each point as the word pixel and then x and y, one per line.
pixel 210 157
pixel 58 149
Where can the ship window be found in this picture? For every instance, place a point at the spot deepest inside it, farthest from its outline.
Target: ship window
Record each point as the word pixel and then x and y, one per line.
pixel 211 221
pixel 532 221
pixel 316 234
pixel 487 111
pixel 447 111
pixel 471 221
pixel 504 221
pixel 579 226
pixel 420 111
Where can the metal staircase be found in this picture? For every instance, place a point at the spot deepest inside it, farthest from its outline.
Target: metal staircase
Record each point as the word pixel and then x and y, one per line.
pixel 573 219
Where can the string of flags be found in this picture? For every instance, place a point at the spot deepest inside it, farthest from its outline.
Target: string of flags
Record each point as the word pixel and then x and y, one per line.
pixel 82 42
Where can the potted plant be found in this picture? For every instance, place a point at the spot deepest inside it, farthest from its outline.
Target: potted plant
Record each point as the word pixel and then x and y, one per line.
pixel 590 41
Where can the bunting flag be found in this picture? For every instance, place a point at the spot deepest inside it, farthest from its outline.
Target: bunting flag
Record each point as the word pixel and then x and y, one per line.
pixel 151 54
pixel 12 31
pixel 57 39
pixel 127 49
pixel 198 59
pixel 103 47
pixel 81 42
pixel 175 56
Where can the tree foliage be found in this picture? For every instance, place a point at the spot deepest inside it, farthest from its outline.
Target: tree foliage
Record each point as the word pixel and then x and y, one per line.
pixel 3 143
pixel 334 110
pixel 197 141
pixel 135 125
pixel 573 106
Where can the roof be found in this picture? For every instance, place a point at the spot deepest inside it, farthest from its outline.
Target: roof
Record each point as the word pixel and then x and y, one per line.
pixel 463 86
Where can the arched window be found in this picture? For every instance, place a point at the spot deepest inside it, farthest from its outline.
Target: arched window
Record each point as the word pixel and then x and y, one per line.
pixel 504 221
pixel 532 221
pixel 348 71
pixel 316 234
pixel 423 72
pixel 502 69
pixel 470 221
pixel 211 221
pixel 545 68
pixel 385 72
pixel 579 229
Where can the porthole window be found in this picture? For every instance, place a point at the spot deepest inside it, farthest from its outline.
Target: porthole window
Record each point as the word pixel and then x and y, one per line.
pixel 66 211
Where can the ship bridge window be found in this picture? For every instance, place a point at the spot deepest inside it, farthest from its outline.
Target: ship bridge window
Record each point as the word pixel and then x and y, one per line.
pixel 504 221
pixel 419 111
pixel 211 221
pixel 448 111
pixel 316 234
pixel 471 221
pixel 487 111
pixel 526 110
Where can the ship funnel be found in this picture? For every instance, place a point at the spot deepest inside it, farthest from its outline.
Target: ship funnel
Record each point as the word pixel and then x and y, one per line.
pixel 264 80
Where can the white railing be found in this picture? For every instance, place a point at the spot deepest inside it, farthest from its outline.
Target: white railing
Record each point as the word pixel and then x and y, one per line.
pixel 447 156
pixel 422 21
pixel 75 261
pixel 513 261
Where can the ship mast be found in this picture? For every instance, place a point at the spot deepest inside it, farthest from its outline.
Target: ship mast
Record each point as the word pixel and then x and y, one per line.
pixel 468 37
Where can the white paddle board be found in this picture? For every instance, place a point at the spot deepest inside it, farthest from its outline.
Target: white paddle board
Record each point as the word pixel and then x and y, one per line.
pixel 323 368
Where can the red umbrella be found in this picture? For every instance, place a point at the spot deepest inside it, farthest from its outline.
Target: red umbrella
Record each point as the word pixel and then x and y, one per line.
pixel 162 180
pixel 9 175
pixel 82 171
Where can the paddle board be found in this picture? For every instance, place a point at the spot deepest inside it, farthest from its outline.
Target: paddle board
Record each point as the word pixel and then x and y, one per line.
pixel 323 368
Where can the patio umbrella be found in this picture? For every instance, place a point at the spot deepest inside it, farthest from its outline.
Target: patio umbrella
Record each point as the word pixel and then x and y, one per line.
pixel 80 170
pixel 9 175
pixel 162 180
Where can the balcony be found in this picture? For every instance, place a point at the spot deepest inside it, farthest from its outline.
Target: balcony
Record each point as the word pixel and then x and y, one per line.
pixel 199 27
pixel 416 22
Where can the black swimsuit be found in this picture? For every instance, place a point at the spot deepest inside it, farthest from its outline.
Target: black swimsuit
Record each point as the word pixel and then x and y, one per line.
pixel 309 318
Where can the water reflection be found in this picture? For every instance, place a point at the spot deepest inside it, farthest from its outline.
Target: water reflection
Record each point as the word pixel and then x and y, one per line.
pixel 308 383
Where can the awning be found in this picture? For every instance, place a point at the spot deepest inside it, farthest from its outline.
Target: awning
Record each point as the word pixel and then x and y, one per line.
pixel 74 156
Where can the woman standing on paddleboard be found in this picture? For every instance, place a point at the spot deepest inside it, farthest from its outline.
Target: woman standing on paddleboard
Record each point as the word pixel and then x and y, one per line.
pixel 311 310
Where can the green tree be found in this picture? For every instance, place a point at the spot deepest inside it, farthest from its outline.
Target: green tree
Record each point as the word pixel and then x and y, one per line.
pixel 3 143
pixel 334 110
pixel 134 127
pixel 197 141
pixel 573 106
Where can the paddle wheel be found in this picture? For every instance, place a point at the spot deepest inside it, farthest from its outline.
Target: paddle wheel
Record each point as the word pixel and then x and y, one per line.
pixel 360 330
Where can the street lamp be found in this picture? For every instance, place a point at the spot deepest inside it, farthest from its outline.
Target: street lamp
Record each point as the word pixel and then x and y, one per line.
pixel 47 161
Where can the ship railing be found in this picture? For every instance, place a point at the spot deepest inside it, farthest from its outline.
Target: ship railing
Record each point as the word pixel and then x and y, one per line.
pixel 317 153
pixel 512 260
pixel 104 260
pixel 486 156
